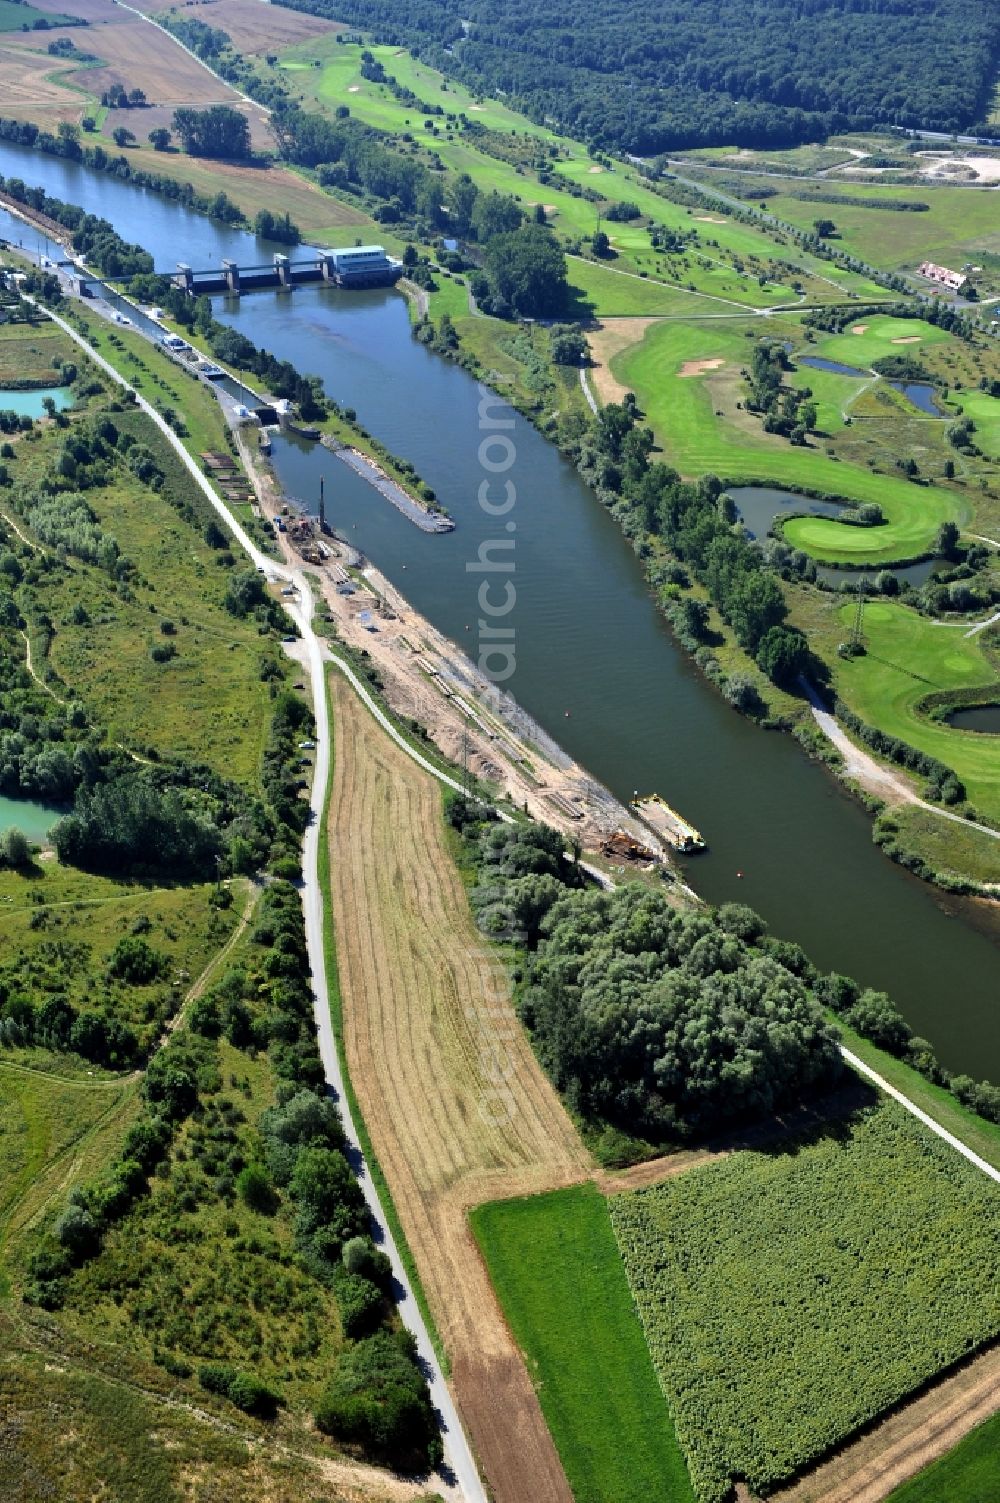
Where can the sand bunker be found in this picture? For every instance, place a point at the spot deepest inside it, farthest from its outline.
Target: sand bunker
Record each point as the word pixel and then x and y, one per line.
pixel 596 168
pixel 860 329
pixel 908 339
pixel 477 108
pixel 708 219
pixel 354 88
pixel 699 367
pixel 549 208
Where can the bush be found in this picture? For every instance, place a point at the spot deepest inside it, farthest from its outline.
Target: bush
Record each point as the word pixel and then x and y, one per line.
pixel 254 1188
pixel 242 1389
pixel 135 961
pixel 379 1401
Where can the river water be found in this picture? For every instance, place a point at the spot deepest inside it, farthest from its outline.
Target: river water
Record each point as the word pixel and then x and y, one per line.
pixel 595 663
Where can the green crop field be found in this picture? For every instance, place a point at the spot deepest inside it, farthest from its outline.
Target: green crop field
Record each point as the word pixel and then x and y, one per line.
pixel 789 1298
pixel 699 422
pixel 968 1474
pixel 908 657
pixel 559 1277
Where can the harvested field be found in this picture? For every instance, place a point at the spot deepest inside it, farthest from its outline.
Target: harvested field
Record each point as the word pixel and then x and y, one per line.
pixel 251 26
pixel 253 188
pixel 137 55
pixel 699 367
pixel 458 1110
pixel 31 85
pixel 607 341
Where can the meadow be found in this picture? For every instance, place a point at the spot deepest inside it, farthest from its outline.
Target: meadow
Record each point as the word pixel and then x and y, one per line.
pixel 557 1272
pixel 30 355
pixel 908 657
pixel 785 1300
pixel 958 224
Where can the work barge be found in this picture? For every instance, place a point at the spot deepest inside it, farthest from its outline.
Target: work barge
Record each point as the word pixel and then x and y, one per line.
pixel 670 826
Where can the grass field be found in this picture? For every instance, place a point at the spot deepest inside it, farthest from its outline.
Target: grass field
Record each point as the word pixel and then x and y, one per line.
pixel 54 1131
pixel 208 702
pixel 882 337
pixel 702 430
pixel 425 1000
pixel 556 1268
pixel 29 355
pixel 957 226
pixel 908 657
pixel 946 846
pixel 19 17
pixel 58 927
pixel 968 1474
pixel 786 1300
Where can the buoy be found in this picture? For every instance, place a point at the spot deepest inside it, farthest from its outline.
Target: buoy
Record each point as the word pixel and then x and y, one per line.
pixel 740 875
pixel 567 714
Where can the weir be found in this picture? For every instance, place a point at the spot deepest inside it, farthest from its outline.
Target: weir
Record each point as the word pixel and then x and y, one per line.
pixel 360 266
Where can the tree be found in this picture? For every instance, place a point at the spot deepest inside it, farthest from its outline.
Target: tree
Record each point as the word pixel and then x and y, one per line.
pixel 527 269
pixel 159 138
pixel 122 137
pixel 216 132
pixel 255 1189
pixel 824 228
pixel 600 244
pixel 783 655
pixel 569 345
pixel 14 847
pixel 947 539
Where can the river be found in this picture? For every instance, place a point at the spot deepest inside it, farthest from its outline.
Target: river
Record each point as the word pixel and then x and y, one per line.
pixel 595 663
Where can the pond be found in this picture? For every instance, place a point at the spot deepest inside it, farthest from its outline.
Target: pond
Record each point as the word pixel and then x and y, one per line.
pixel 982 718
pixel 920 393
pixel 36 820
pixel 758 505
pixel 32 403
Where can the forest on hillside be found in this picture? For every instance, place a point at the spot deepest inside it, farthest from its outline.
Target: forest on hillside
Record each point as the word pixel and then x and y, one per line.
pixel 690 73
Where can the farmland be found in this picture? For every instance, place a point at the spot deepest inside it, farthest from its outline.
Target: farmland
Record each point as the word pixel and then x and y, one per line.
pixel 424 999
pixel 555 1266
pixel 788 1269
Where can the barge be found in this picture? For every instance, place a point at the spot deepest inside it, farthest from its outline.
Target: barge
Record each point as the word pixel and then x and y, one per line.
pixel 668 824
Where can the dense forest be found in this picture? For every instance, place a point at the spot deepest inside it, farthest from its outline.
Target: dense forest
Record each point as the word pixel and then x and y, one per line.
pixel 691 74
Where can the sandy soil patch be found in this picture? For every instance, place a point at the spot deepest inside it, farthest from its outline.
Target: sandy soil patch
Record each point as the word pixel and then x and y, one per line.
pixel 985 169
pixel 907 1441
pixel 607 341
pixel 708 219
pixel 354 88
pixel 458 1108
pixel 699 367
pixel 907 339
pixel 860 329
pixel 477 108
pixel 596 168
pixel 549 208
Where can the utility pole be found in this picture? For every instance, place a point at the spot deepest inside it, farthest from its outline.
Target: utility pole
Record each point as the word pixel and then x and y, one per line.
pixel 857 631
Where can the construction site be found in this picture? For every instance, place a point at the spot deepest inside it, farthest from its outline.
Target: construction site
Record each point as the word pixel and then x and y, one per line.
pixel 427 680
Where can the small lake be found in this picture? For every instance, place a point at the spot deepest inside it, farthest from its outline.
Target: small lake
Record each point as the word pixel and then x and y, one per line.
pixel 758 505
pixel 36 820
pixel 832 367
pixel 982 718
pixel 32 403
pixel 916 574
pixel 920 393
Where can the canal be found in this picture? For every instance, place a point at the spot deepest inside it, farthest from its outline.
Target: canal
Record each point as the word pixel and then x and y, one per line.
pixel 595 663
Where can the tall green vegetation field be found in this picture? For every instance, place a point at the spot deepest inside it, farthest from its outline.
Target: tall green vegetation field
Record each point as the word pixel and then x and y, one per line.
pixel 790 1297
pixel 556 1269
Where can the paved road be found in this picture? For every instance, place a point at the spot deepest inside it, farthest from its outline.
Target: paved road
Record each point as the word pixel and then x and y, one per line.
pixel 462 1480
